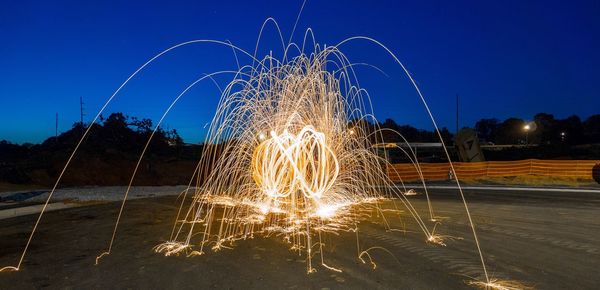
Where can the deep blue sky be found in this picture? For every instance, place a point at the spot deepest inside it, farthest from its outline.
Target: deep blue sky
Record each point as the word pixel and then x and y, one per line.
pixel 504 58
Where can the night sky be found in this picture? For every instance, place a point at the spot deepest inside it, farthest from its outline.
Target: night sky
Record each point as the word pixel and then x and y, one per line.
pixel 504 58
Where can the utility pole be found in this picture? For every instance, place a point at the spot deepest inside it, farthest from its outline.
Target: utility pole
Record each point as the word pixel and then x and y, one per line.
pixel 56 129
pixel 457 128
pixel 81 110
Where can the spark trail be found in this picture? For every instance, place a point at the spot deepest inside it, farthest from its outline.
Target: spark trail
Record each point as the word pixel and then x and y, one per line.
pixel 292 153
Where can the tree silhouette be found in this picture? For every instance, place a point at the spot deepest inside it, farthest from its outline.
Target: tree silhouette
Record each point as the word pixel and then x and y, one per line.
pixel 591 129
pixel 510 132
pixel 487 128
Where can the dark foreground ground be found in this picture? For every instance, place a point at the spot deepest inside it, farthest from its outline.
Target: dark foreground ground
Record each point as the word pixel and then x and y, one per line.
pixel 549 242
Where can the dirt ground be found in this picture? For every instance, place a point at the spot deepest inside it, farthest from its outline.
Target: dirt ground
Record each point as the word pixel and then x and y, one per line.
pixel 546 244
pixel 533 180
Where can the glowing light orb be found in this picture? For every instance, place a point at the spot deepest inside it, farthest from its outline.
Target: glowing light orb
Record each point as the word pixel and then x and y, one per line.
pixel 295 171
pixel 288 164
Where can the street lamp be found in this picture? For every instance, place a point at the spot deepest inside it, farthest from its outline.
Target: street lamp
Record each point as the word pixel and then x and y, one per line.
pixel 527 127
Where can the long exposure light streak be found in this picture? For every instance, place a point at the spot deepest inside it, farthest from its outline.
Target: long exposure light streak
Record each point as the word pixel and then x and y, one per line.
pixel 291 152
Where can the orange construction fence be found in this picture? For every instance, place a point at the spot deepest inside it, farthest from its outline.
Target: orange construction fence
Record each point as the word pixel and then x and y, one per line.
pixel 468 170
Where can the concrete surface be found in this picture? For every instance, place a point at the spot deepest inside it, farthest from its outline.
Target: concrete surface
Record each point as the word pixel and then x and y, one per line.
pixel 16 211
